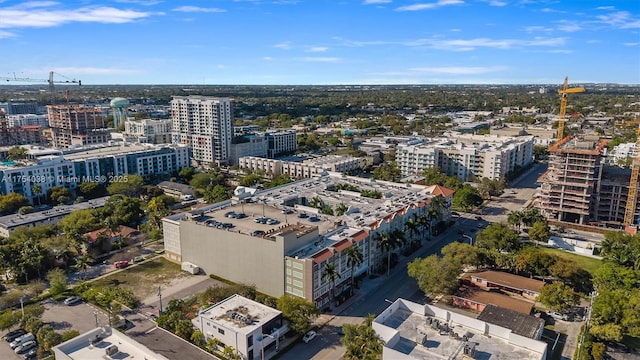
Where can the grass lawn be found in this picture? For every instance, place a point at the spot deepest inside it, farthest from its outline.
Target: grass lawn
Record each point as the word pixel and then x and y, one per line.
pixel 584 262
pixel 144 279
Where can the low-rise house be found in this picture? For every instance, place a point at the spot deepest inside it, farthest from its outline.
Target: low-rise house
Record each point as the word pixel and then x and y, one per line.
pixel 526 287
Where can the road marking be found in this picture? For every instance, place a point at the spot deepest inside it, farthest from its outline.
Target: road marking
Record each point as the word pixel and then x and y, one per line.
pixel 149 331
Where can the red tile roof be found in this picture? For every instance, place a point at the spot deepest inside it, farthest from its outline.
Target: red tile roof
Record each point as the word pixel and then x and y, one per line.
pixel 322 255
pixel 442 191
pixel 487 297
pixel 510 280
pixel 342 244
pixel 359 236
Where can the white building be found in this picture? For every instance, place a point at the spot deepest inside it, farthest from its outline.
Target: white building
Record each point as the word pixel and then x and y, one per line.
pixel 467 156
pixel 248 326
pixel 149 130
pixel 621 153
pixel 28 120
pixel 306 169
pixel 46 172
pixel 205 124
pixel 103 343
pixel 415 331
pixel 281 142
pixel 248 145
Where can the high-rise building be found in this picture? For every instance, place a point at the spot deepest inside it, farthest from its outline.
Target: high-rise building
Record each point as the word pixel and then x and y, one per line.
pixel 569 189
pixel 77 124
pixel 205 124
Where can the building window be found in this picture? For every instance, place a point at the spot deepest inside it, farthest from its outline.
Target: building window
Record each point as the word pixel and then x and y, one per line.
pixel 221 331
pixel 250 341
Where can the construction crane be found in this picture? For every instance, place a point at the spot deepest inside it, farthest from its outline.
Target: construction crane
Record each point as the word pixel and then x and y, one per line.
pixel 632 196
pixel 563 104
pixel 50 81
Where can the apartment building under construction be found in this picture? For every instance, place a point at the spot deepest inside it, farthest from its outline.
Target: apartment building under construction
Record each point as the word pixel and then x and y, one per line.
pixel 77 124
pixel 569 187
pixel 578 188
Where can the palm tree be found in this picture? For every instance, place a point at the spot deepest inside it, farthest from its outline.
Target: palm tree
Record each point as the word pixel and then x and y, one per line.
pixel 341 209
pixel 413 226
pixel 330 273
pixel 212 344
pixel 425 223
pixel 387 242
pixel 514 218
pixel 354 259
pixel 37 191
pixel 399 236
pixel 82 263
pixel 316 202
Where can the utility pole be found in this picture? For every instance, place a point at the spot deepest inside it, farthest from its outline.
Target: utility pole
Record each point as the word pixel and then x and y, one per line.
pixel 160 296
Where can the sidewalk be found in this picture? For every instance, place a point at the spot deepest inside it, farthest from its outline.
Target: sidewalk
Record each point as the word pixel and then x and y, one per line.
pixel 369 285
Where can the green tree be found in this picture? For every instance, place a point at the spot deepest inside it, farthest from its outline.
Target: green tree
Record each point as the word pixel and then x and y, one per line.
pixel 131 186
pixel 298 311
pixel 387 243
pixel 612 277
pixel 91 189
pixel 330 273
pixel 461 254
pixel 539 232
pixel 250 180
pixel 69 334
pixel 499 237
pixel 489 188
pixel 388 171
pixel 9 319
pixel 157 208
pixel 17 153
pixel 558 296
pixel 187 173
pixel 341 209
pixel 435 275
pixel 11 202
pixel 197 338
pixel 361 341
pixel 36 190
pixel 217 194
pixel 58 195
pixel 57 281
pixel 514 218
pixel 354 260
pixel 466 198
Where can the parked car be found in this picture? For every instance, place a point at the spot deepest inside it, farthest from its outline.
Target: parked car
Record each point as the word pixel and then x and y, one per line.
pixel 261 220
pixel 314 219
pixel 558 315
pixel 159 251
pixel 121 264
pixel 31 354
pixel 138 258
pixel 310 335
pixel 72 300
pixel 273 222
pixel 257 233
pixel 12 335
pixel 21 340
pixel 303 216
pixel 241 215
pixel 340 331
pixel 287 211
pixel 26 346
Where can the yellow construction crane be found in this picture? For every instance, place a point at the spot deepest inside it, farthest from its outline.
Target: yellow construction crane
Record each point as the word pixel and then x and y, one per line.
pixel 563 104
pixel 632 196
pixel 50 81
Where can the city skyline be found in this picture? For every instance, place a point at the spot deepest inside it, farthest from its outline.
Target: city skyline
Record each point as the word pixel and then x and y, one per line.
pixel 248 42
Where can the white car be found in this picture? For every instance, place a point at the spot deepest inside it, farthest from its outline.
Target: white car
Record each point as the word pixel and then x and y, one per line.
pixel 310 335
pixel 72 300
pixel 558 316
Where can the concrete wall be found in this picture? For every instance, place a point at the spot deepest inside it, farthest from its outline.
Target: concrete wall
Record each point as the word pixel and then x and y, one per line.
pixel 499 331
pixel 468 321
pixel 575 245
pixel 237 257
pixel 527 343
pixel 171 231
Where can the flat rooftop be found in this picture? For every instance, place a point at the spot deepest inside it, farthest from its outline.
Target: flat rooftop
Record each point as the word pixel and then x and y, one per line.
pixel 241 314
pixel 92 345
pixel 106 151
pixel 12 221
pixel 440 345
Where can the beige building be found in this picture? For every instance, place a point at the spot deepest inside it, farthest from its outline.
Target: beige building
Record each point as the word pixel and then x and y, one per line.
pixel 282 242
pixel 149 130
pixel 306 169
pixel 77 124
pixel 250 327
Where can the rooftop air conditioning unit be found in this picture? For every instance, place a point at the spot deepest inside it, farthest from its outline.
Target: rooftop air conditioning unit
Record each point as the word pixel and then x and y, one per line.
pixel 111 350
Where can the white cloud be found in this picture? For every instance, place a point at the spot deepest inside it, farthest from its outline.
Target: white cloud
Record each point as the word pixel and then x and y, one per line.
pixel 620 19
pixel 140 2
pixel 267 58
pixel 369 2
pixel 220 66
pixel 198 9
pixel 569 26
pixel 6 34
pixel 497 3
pixel 429 6
pixel 461 44
pixel 286 45
pixel 317 49
pixel 458 70
pixel 320 59
pixel 606 8
pixel 537 28
pixel 39 14
pixel 632 44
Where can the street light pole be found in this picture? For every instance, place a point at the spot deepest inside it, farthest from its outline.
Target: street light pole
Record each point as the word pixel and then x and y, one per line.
pixel 22 305
pixel 95 313
pixel 160 296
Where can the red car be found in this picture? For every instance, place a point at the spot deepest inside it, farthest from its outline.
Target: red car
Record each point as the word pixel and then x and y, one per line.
pixel 121 264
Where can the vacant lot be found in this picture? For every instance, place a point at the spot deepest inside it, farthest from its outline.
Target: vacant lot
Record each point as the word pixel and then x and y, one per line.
pixel 143 279
pixel 584 262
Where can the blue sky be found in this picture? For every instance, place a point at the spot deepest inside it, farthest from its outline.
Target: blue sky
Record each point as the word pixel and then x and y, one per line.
pixel 322 41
